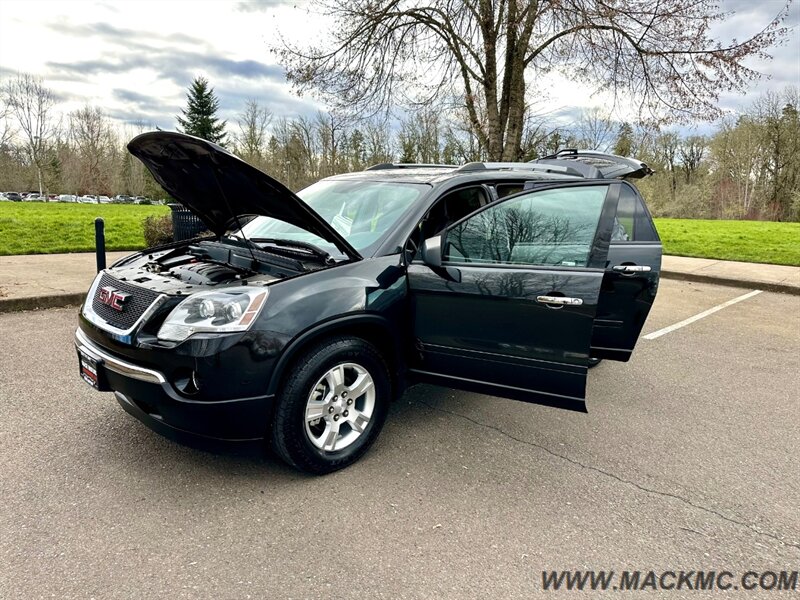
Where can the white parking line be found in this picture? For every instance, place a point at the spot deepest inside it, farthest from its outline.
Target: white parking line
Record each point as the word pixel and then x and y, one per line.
pixel 697 317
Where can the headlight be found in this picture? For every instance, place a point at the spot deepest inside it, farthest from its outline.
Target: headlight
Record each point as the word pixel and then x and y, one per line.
pixel 233 309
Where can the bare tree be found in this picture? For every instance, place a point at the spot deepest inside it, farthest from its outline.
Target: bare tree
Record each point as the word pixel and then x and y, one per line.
pixel 667 145
pixel 419 137
pixel 251 140
pixel 94 142
pixel 691 152
pixel 32 106
pixel 330 129
pixel 378 144
pixel 7 130
pixel 659 54
pixel 596 129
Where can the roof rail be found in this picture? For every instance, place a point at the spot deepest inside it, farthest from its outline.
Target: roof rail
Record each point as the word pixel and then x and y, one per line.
pixel 382 166
pixel 575 170
pixel 610 166
pixel 586 171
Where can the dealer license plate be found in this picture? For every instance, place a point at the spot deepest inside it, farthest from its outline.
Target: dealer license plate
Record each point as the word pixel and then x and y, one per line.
pixel 89 370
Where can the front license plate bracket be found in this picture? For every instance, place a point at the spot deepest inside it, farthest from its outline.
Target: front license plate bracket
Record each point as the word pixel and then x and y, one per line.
pixel 92 372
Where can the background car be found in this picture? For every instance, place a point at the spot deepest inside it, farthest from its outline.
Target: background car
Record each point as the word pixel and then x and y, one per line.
pixel 14 196
pixel 67 198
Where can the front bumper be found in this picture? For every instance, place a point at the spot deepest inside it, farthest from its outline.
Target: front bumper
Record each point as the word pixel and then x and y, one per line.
pixel 147 395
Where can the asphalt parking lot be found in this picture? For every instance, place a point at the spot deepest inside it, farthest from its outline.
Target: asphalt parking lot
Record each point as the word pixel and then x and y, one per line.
pixel 686 460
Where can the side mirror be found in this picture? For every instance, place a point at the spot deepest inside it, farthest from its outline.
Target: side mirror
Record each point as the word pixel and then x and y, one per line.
pixel 432 251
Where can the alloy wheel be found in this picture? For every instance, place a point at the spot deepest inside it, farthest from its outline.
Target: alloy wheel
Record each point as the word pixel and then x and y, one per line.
pixel 339 407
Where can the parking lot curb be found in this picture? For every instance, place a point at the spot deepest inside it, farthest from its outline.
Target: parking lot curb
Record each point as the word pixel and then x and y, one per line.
pixel 41 302
pixel 782 288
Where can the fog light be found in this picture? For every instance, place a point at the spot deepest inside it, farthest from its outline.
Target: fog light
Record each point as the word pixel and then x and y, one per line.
pixel 187 382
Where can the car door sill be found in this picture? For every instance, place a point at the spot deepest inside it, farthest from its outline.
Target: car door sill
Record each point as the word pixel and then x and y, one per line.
pixel 496 389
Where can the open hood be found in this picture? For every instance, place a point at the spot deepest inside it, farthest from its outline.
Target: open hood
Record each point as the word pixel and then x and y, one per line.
pixel 609 166
pixel 218 186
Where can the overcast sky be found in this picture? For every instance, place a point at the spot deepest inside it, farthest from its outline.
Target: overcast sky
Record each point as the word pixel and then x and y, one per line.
pixel 135 59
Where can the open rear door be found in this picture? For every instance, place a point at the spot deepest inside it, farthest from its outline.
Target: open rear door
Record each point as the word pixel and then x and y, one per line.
pixel 630 281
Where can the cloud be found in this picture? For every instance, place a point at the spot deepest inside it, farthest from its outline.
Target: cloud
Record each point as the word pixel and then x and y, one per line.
pixel 251 6
pixel 120 35
pixel 147 121
pixel 142 102
pixel 245 68
pixel 137 64
pixel 173 62
pixel 178 66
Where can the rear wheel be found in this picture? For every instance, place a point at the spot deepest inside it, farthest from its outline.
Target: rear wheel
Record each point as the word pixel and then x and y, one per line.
pixel 332 406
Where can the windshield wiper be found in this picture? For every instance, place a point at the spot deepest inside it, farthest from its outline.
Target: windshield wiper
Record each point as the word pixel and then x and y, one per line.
pixel 295 244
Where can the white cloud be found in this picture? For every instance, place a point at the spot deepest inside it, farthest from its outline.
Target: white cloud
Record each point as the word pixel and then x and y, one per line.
pixel 136 59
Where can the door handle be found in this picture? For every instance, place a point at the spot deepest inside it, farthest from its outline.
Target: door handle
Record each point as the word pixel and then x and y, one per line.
pixel 630 269
pixel 558 301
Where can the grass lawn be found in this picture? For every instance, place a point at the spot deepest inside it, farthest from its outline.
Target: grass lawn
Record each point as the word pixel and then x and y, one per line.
pixel 48 228
pixel 748 241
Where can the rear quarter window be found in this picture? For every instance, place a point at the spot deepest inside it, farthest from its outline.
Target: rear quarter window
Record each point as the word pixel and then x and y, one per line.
pixel 632 223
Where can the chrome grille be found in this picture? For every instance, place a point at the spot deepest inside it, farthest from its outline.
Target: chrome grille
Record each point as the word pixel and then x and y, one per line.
pixel 140 300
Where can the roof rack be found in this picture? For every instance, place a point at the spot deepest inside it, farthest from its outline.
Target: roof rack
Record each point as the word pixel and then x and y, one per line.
pixel 610 166
pixel 575 170
pixel 382 166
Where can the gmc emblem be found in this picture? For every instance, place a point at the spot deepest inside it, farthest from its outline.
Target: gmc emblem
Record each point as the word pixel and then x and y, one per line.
pixel 113 297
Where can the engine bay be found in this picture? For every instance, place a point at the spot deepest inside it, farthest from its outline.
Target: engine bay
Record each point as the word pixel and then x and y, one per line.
pixel 194 267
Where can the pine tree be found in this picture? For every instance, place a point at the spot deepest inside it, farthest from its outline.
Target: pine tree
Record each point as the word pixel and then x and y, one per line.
pixel 200 115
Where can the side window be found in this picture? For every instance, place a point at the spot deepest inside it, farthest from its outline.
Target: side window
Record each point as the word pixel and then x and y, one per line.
pixel 451 208
pixel 506 189
pixel 632 224
pixel 551 227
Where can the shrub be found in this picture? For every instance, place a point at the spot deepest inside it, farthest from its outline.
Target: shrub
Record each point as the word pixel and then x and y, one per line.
pixel 157 230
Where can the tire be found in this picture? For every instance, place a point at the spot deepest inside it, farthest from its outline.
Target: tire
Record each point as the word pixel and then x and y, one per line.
pixel 593 362
pixel 304 432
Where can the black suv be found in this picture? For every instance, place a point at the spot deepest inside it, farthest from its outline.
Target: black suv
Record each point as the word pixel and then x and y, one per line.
pixel 300 317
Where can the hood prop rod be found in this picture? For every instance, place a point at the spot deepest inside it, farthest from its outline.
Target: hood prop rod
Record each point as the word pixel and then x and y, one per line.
pixel 248 243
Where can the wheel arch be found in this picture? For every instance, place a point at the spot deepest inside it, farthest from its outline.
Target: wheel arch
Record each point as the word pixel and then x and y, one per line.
pixel 374 329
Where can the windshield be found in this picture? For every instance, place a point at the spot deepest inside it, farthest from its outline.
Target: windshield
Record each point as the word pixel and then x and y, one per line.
pixel 360 211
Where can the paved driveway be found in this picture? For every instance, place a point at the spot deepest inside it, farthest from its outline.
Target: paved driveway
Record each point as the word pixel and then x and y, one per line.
pixel 686 460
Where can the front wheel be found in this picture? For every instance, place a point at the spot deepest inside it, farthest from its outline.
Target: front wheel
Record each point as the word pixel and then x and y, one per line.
pixel 332 406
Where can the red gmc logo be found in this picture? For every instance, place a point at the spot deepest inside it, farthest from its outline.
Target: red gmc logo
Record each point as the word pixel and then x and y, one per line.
pixel 113 297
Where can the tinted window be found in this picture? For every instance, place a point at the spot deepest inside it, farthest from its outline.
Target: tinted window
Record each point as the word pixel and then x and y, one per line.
pixel 632 224
pixel 451 208
pixel 506 189
pixel 551 227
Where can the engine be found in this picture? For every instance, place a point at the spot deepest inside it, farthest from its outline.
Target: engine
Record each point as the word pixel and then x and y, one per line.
pixel 202 273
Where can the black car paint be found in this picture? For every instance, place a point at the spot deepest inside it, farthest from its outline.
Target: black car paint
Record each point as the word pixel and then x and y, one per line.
pixel 390 299
pixel 513 345
pixel 625 300
pixel 239 373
